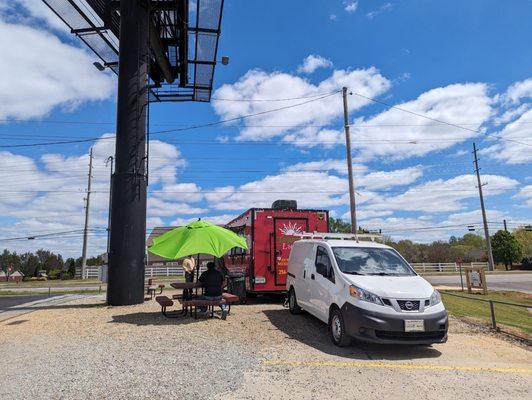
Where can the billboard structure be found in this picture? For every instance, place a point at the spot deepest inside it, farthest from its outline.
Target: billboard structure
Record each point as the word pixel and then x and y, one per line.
pixel 162 51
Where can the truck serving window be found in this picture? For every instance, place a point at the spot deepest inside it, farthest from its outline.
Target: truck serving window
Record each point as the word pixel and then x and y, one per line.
pixel 370 261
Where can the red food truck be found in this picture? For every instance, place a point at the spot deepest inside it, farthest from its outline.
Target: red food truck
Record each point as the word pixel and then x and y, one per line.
pixel 270 233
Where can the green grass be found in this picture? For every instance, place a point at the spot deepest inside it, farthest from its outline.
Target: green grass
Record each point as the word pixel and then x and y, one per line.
pixel 516 318
pixel 450 273
pixel 50 283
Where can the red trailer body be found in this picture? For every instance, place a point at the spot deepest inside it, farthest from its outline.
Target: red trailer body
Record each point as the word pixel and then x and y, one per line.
pixel 270 235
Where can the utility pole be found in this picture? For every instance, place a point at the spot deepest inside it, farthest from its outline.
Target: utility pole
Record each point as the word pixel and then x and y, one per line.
pixel 486 230
pixel 505 227
pixel 127 242
pixel 352 202
pixel 110 160
pixel 87 211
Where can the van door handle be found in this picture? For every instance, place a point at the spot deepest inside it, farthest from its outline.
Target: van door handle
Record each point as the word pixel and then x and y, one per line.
pixel 304 274
pixel 312 276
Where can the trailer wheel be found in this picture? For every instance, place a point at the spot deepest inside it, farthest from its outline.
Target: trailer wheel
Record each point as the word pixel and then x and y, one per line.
pixel 292 302
pixel 337 329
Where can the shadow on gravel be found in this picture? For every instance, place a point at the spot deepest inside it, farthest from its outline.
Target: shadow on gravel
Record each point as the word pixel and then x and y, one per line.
pixel 312 332
pixel 156 318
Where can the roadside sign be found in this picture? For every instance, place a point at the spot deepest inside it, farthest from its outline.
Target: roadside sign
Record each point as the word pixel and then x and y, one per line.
pixel 476 279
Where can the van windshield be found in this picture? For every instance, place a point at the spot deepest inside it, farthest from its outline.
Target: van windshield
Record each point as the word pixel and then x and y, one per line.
pixel 371 261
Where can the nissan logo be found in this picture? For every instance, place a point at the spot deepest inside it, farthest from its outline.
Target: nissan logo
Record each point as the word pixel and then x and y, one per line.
pixel 409 305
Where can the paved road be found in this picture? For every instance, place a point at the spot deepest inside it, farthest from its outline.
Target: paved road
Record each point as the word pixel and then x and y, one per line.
pixel 13 306
pixel 517 282
pixel 7 302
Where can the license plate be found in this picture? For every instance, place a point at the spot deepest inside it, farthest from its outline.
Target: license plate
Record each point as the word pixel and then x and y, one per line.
pixel 414 325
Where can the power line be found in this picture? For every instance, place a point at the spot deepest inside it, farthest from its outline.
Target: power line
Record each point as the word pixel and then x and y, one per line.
pixel 437 120
pixel 249 100
pixel 192 127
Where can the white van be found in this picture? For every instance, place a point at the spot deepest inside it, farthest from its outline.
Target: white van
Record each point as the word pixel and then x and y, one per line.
pixel 363 290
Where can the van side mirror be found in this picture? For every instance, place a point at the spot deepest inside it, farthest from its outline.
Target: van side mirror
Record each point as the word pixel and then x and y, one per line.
pixel 321 269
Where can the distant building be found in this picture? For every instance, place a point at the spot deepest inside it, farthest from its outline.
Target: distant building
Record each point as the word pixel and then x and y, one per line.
pixel 16 276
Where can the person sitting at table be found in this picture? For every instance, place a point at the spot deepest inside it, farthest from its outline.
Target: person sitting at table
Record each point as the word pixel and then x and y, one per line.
pixel 213 280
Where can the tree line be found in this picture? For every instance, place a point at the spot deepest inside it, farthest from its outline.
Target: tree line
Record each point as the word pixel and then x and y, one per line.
pixel 54 265
pixel 508 247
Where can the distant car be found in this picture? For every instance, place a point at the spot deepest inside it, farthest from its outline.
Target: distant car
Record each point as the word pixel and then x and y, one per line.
pixel 364 290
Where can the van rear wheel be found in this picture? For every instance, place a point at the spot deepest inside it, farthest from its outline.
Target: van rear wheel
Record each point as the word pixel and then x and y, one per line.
pixel 292 302
pixel 337 329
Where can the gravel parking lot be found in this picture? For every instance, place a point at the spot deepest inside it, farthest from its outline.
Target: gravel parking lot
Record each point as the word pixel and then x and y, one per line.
pixel 85 350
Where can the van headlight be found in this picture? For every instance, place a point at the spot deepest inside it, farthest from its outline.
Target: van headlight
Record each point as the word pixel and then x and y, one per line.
pixel 435 298
pixel 364 295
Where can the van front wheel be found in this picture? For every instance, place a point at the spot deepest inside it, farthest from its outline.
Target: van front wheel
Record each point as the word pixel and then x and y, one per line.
pixel 337 329
pixel 292 302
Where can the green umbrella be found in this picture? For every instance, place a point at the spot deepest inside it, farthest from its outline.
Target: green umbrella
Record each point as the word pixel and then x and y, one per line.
pixel 199 237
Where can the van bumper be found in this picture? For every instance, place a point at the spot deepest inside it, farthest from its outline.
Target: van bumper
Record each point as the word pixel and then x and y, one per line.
pixel 373 327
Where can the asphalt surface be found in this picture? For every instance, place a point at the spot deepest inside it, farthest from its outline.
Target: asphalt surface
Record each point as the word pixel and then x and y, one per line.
pixel 7 302
pixel 516 282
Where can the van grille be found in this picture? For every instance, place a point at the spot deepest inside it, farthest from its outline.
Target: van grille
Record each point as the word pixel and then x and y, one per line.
pixel 407 336
pixel 408 305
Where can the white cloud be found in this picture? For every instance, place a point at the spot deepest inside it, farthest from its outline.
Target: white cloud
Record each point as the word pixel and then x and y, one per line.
pixel 387 179
pixel 40 73
pixel 339 166
pixel 312 63
pixel 526 194
pixel 514 145
pixel 519 90
pixel 182 192
pixel 371 180
pixel 34 10
pixel 473 218
pixel 47 195
pixel 214 219
pixel 351 6
pixel 161 208
pixel 292 123
pixel 441 195
pixel 310 189
pixel 364 215
pixel 380 10
pixel 398 134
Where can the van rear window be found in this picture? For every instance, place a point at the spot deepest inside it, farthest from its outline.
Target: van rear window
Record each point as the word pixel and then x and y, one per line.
pixel 371 261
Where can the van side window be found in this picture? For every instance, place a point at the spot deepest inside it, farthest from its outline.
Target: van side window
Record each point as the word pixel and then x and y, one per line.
pixel 323 262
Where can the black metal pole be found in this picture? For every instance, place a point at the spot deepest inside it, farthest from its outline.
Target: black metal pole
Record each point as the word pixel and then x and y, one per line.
pixel 128 210
pixel 492 313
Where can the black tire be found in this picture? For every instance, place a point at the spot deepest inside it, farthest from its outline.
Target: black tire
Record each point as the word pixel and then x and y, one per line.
pixel 292 302
pixel 337 329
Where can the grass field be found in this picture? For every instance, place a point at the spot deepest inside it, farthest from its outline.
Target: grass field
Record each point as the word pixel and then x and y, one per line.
pixel 516 318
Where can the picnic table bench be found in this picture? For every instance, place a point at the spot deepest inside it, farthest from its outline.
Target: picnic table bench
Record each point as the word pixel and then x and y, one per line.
pixel 150 289
pixel 194 303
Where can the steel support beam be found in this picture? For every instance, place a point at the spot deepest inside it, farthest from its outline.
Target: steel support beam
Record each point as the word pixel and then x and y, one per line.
pixel 128 211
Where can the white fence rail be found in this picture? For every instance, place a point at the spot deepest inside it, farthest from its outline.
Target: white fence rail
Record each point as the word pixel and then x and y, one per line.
pixel 95 272
pixel 446 267
pixel 158 271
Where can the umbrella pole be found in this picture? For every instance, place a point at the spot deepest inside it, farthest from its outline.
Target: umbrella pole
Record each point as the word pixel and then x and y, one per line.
pixel 197 267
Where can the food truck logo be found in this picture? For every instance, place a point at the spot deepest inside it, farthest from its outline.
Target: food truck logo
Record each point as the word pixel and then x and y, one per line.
pixel 291 229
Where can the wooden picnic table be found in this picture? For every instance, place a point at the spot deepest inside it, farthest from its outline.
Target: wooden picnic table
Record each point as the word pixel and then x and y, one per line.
pixel 186 285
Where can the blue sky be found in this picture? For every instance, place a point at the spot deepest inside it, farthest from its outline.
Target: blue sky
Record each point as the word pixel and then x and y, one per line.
pixel 464 63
